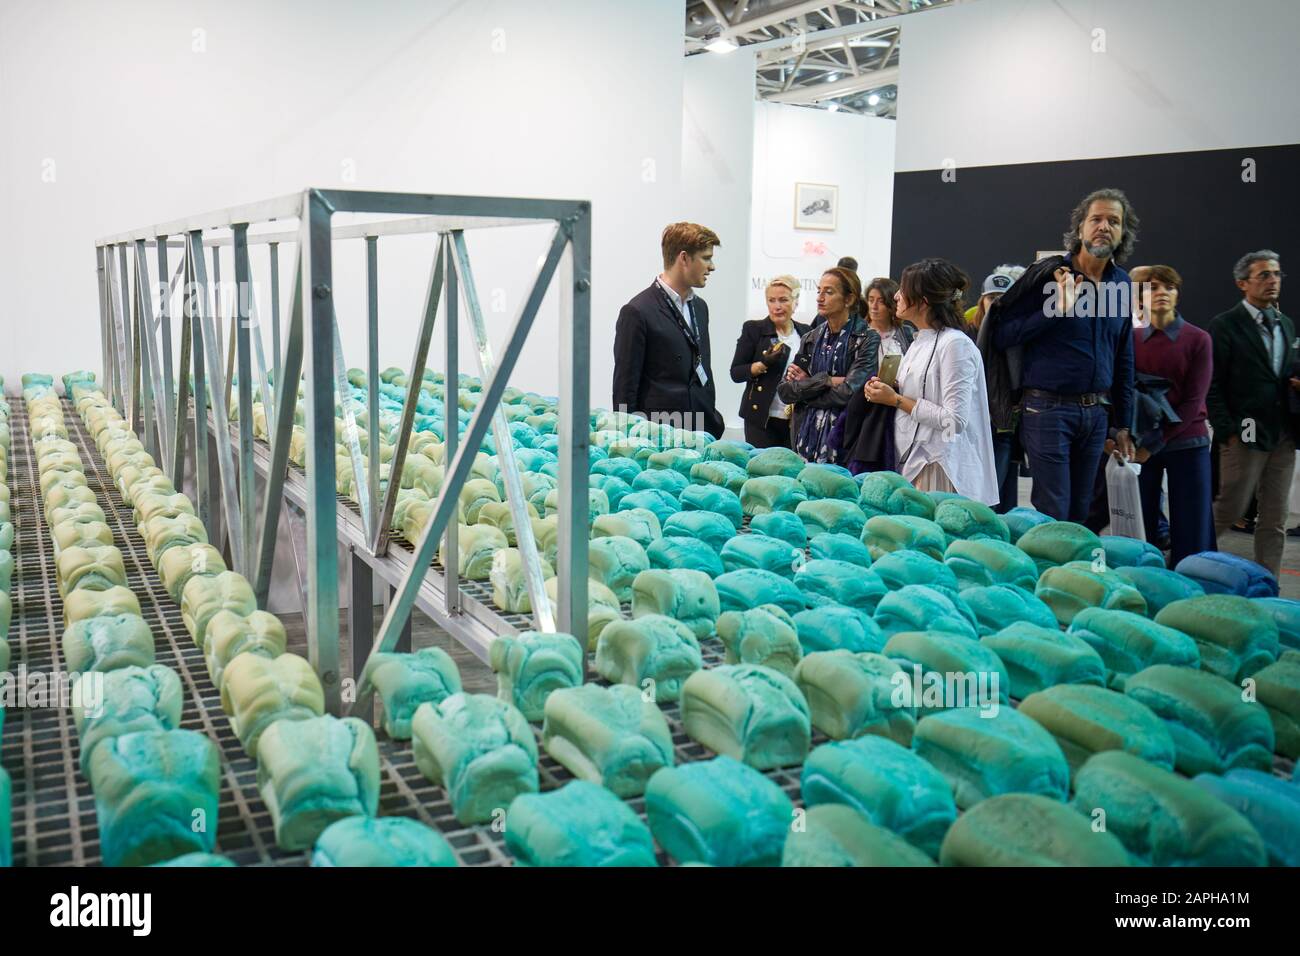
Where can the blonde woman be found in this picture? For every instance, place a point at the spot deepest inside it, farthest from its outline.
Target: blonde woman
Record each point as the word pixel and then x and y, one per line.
pixel 763 352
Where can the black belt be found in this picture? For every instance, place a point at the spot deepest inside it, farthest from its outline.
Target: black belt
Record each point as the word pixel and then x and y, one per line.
pixel 1087 398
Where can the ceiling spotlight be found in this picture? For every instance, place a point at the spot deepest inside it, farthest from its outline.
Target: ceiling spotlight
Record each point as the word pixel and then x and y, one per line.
pixel 832 77
pixel 873 100
pixel 832 107
pixel 721 45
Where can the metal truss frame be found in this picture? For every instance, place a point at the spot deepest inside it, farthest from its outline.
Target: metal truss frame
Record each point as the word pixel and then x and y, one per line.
pixel 137 346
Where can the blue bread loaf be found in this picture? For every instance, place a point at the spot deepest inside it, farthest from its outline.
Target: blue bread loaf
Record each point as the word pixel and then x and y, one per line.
pixel 748 712
pixel 946 670
pixel 612 736
pixel 1122 552
pixel 916 607
pixel 614 487
pixel 1001 605
pixel 691 553
pixel 406 681
pixel 1086 720
pixel 1039 657
pixel 885 533
pixel 985 561
pixel 771 493
pixel 718 812
pixel 836 835
pixel 615 562
pixel 1129 642
pixel 1019 520
pixel 1025 829
pixel 1054 543
pixel 889 493
pixel 761 551
pixel 765 635
pixel 749 587
pixel 1162 819
pixel 834 628
pixel 887 783
pixel 580 824
pixel 1213 728
pixel 844 583
pixel 1235 635
pixel 1072 587
pixel 901 568
pixel 775 461
pixel 653 652
pixel 831 515
pixel 718 501
pixel 721 474
pixel 663 504
pixel 624 468
pixel 1221 573
pixel 736 452
pixel 964 518
pixel 532 666
pixel 1286 615
pixel 840 547
pixel 1159 586
pixel 640 525
pixel 852 694
pixel 781 525
pixel 713 530
pixel 684 595
pixel 1277 688
pixel 387 841
pixel 134 699
pixel 678 460
pixel 1271 805
pixel 983 755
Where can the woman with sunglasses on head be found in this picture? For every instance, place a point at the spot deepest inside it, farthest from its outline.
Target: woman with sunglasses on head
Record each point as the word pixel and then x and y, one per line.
pixel 835 359
pixel 941 425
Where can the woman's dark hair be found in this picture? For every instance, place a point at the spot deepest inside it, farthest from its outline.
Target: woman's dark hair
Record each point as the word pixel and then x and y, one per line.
pixel 941 285
pixel 887 287
pixel 850 285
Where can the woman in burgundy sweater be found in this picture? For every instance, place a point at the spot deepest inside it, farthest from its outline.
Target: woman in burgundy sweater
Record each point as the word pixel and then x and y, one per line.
pixel 1167 346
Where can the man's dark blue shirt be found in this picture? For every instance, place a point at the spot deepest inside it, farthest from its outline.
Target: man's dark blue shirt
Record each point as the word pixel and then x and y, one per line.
pixel 1075 354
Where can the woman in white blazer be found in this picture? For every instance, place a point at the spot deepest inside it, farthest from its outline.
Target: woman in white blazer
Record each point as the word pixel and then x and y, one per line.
pixel 941 429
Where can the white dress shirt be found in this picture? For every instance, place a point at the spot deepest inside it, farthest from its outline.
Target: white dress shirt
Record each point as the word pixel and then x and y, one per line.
pixel 682 307
pixel 950 422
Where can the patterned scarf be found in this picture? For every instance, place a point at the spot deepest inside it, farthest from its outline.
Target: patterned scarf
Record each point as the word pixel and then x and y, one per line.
pixel 830 355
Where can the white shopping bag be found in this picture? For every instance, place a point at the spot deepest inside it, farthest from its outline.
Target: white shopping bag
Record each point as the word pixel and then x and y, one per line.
pixel 1125 499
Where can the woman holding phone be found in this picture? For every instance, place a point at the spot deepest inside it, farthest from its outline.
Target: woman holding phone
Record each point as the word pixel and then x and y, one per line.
pixel 941 425
pixel 835 359
pixel 763 353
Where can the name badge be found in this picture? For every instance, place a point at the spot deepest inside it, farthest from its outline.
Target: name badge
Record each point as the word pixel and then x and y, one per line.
pixel 702 375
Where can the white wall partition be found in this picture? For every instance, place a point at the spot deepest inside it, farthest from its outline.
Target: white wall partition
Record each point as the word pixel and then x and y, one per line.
pixel 795 144
pixel 119 115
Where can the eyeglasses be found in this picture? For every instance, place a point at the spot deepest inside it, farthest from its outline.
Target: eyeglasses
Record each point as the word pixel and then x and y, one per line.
pixel 1266 274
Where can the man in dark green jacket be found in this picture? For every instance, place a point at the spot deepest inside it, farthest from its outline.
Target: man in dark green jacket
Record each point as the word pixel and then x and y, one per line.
pixel 1249 406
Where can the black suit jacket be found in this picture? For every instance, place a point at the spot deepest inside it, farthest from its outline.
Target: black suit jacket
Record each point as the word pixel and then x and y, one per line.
pixel 1244 387
pixel 654 363
pixel 756 337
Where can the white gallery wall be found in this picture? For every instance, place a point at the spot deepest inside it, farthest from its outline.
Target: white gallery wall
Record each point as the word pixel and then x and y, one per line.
pixel 120 115
pixel 717 190
pixel 795 144
pixel 1024 81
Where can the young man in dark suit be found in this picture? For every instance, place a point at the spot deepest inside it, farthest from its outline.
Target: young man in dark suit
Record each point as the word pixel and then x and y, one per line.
pixel 662 360
pixel 1249 405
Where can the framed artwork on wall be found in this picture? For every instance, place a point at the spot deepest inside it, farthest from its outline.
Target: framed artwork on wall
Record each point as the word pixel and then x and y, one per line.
pixel 816 206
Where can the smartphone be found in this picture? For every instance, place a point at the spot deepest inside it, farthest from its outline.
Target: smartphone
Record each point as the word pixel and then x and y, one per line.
pixel 889 369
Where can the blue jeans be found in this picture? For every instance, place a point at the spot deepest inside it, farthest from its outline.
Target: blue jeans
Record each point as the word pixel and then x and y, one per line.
pixel 1191 518
pixel 1063 442
pixel 1007 470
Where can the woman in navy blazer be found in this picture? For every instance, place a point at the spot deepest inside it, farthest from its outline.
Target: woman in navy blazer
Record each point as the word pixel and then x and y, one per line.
pixel 763 351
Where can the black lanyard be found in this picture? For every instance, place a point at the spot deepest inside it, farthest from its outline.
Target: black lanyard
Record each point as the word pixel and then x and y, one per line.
pixel 687 331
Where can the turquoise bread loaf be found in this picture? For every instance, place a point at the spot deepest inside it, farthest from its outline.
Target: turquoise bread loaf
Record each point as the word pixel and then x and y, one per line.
pixel 920 608
pixel 1271 805
pixel 889 493
pixel 781 525
pixel 1020 520
pixel 722 474
pixel 405 681
pixel 714 500
pixel 771 493
pixel 736 452
pixel 1025 829
pixel 1213 727
pixel 853 694
pixel 684 595
pixel 752 713
pixel 833 628
pixel 1086 720
pixel 765 635
pixel 775 461
pixel 985 561
pixel 840 547
pixel 1069 589
pixel 841 582
pixel 719 812
pixel 713 530
pixel 580 824
pixel 835 835
pixel 615 562
pixel 480 749
pixel 948 670
pixel 750 587
pixel 831 516
pixel 1001 605
pixel 901 568
pixel 687 553
pixel 533 665
pixel 613 736
pixel 653 653
pixel 1124 552
pixel 1129 642
pixel 1162 819
pixel 762 552
pixel 965 518
pixel 1054 543
pixel 829 482
pixel 1159 586
pixel 1235 635
pixel 1286 615
pixel 1039 657
pixel 387 841
pixel 134 699
pixel 885 782
pixel 1277 688
pixel 984 755
pixel 150 788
